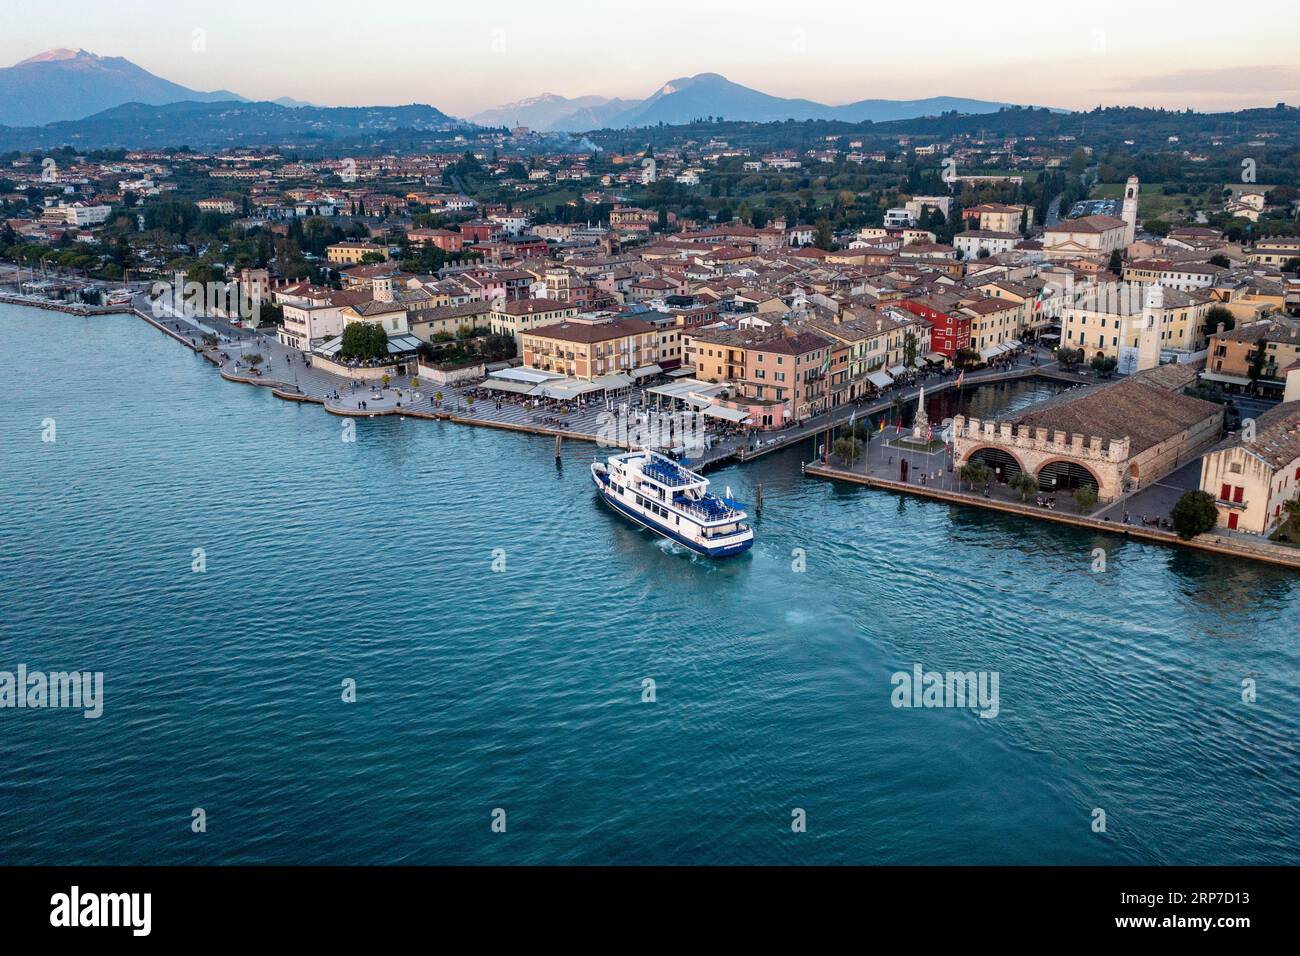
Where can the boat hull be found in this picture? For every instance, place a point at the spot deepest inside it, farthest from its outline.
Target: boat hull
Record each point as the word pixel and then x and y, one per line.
pixel 725 551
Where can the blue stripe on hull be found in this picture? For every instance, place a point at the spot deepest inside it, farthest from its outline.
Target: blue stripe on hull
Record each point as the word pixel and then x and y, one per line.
pixel 646 522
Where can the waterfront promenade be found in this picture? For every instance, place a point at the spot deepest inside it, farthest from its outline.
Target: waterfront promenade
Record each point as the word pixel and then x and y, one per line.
pixel 929 476
pixel 284 370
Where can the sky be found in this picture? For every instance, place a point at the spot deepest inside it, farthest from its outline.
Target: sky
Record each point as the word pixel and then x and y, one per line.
pixel 464 57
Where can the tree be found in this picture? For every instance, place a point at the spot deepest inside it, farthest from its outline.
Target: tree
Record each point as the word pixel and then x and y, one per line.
pixel 1069 357
pixel 253 359
pixel 847 449
pixel 364 340
pixel 1103 364
pixel 824 235
pixel 497 347
pixel 1116 262
pixel 1289 529
pixel 976 472
pixel 1218 315
pixel 1023 484
pixel 1085 499
pixel 1194 514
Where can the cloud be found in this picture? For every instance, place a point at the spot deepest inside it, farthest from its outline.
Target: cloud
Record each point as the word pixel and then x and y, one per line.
pixel 1258 80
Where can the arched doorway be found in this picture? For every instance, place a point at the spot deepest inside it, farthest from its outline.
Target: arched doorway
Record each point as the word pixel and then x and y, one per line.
pixel 1132 478
pixel 1003 463
pixel 1062 475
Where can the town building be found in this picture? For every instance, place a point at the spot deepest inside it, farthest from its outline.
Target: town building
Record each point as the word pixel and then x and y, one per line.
pixel 1112 438
pixel 1091 236
pixel 1252 475
pixel 1254 356
pixel 590 346
pixel 351 253
pixel 523 315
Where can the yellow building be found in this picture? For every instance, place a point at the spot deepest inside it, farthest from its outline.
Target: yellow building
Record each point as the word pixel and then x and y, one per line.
pixel 1134 324
pixel 1251 478
pixel 350 253
pixel 1000 217
pixel 589 348
pixel 524 315
pixel 1093 237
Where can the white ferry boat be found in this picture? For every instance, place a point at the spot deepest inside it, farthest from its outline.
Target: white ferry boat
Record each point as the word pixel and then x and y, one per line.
pixel 659 494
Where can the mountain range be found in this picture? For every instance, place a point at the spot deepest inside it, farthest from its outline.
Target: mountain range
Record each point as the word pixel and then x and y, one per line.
pixel 66 85
pixel 709 94
pixel 232 123
pixel 69 84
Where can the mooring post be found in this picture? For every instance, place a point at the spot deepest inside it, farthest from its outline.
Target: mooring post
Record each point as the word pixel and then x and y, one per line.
pixel 559 440
pixel 758 498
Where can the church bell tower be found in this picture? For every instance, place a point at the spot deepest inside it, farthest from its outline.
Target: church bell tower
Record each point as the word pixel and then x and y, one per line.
pixel 1130 214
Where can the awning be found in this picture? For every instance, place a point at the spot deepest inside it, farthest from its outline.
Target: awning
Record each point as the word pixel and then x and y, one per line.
pixel 505 385
pixel 686 386
pixel 879 379
pixel 990 351
pixel 614 380
pixel 935 357
pixel 682 371
pixel 1226 379
pixel 730 414
pixel 531 375
pixel 646 370
pixel 1013 343
pixel 898 370
pixel 399 344
pixel 566 389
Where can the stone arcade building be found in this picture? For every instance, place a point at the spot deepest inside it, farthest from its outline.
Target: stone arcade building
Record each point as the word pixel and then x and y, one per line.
pixel 1114 437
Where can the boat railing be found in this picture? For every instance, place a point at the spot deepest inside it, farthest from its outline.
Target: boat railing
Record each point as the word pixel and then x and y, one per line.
pixel 713 512
pixel 668 474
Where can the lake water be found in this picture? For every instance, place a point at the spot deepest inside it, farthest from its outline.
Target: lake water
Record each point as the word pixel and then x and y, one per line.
pixel 522 689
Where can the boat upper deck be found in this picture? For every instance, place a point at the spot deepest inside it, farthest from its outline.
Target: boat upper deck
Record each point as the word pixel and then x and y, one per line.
pixel 667 473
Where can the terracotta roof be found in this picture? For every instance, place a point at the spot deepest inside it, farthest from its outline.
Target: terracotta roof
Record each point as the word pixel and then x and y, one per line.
pixel 588 332
pixel 531 306
pixel 1277 435
pixel 1133 408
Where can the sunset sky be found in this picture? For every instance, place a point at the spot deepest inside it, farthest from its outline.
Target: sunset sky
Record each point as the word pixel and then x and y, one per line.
pixel 464 57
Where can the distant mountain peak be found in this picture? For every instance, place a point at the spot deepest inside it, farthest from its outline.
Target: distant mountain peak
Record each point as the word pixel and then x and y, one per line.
pixel 59 53
pixel 686 82
pixel 69 84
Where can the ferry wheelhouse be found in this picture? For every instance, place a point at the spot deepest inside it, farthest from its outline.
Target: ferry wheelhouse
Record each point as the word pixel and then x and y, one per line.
pixel 658 493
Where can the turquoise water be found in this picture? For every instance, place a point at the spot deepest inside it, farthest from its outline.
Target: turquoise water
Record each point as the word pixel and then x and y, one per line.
pixel 522 689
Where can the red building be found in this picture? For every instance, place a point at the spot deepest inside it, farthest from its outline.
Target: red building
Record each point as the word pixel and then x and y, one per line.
pixel 444 239
pixel 949 331
pixel 529 247
pixel 480 230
